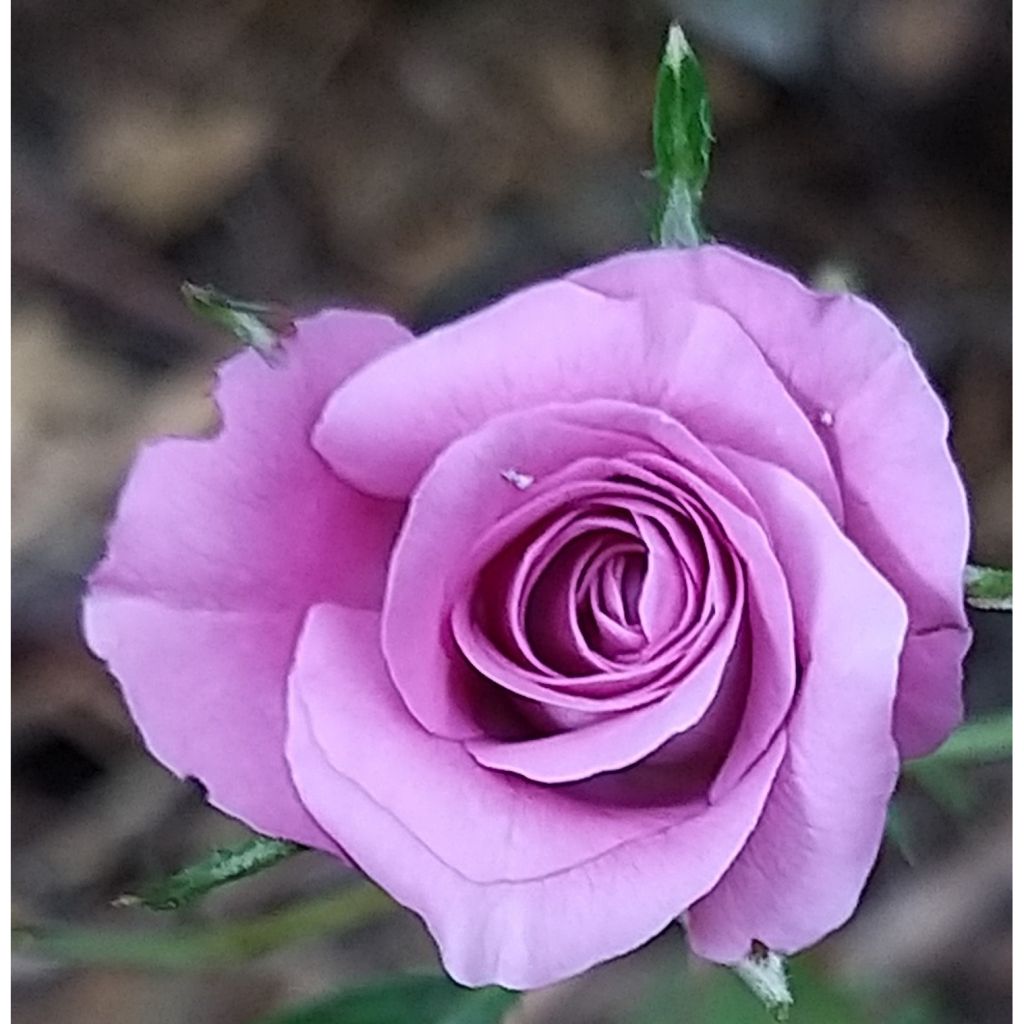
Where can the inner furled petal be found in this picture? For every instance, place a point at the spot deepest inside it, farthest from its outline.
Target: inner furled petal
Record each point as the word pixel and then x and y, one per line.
pixel 687 581
pixel 695 542
pixel 773 668
pixel 607 635
pixel 448 661
pixel 666 584
pixel 573 704
pixel 608 591
pixel 552 624
pixel 552 559
pixel 560 633
pixel 610 742
pixel 686 763
pixel 656 667
pixel 598 606
pixel 625 576
pixel 745 577
pixel 554 547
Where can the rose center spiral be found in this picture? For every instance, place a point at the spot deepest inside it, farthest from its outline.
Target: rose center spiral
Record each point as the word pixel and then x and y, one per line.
pixel 608 596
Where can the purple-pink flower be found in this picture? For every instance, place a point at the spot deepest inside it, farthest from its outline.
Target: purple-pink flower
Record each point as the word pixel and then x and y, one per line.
pixel 615 602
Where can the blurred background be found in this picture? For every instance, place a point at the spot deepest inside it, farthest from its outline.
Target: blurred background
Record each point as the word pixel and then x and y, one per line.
pixel 425 157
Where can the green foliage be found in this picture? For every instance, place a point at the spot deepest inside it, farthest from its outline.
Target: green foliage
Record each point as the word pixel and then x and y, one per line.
pixel 982 740
pixel 209 946
pixel 219 868
pixel 989 589
pixel 682 143
pixel 947 784
pixel 409 999
pixel 947 778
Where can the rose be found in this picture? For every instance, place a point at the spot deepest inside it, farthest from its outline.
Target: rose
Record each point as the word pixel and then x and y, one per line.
pixel 612 603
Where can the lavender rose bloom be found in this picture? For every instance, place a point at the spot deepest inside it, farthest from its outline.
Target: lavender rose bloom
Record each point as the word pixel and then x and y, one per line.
pixel 616 602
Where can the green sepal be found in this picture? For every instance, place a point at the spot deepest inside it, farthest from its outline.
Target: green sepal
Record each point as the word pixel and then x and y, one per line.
pixel 764 972
pixel 209 945
pixel 258 326
pixel 410 999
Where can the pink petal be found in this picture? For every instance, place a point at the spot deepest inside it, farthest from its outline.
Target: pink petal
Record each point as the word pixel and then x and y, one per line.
pixel 803 869
pixel 563 342
pixel 253 518
pixel 206 687
pixel 620 740
pixel 465 496
pixel 218 547
pixel 514 880
pixel 885 431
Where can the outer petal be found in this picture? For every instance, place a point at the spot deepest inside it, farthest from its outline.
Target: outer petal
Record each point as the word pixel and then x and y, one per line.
pixel 885 431
pixel 803 870
pixel 253 518
pixel 510 910
pixel 206 689
pixel 218 547
pixel 563 342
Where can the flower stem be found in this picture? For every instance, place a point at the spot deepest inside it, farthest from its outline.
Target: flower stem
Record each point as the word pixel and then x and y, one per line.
pixel 207 946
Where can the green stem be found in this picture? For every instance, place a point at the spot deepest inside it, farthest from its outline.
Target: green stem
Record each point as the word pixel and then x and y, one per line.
pixel 208 946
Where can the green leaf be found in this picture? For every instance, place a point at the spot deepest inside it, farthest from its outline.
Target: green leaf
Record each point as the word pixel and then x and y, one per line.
pixel 261 327
pixel 219 868
pixel 409 999
pixel 208 946
pixel 944 774
pixel 946 783
pixel 976 742
pixel 989 589
pixel 682 143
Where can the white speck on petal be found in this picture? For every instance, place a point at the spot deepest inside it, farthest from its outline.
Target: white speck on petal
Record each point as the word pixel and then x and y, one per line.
pixel 518 480
pixel 826 419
